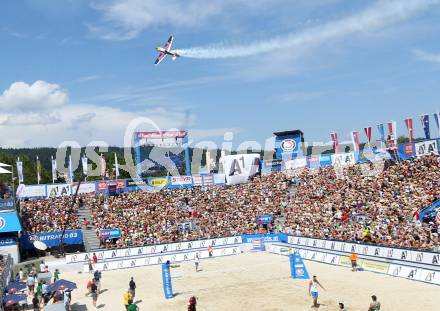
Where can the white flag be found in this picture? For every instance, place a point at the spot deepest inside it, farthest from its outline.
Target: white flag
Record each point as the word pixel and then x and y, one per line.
pixel 38 171
pixel 84 165
pixel 70 169
pixel 54 169
pixel 116 166
pixel 20 170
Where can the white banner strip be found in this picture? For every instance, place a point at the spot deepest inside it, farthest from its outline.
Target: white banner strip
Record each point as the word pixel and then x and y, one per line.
pixel 155 260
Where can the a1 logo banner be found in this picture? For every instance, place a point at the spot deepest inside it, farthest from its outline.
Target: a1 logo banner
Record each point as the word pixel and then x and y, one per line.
pixel 298 269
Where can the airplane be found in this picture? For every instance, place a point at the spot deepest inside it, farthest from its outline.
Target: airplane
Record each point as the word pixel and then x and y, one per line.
pixel 166 50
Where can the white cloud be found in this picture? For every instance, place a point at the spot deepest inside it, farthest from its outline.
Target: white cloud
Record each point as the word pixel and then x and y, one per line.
pixel 126 19
pixel 59 120
pixel 39 96
pixel 427 56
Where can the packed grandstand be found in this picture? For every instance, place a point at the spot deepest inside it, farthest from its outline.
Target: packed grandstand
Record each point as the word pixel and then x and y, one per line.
pixel 381 209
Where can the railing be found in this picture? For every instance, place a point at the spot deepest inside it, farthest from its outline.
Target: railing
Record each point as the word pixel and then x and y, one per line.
pixel 5 277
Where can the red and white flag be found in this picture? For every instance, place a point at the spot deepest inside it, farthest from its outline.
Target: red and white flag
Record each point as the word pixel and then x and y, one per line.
pixel 409 126
pixel 392 133
pixel 355 140
pixel 368 131
pixel 334 137
pixel 103 166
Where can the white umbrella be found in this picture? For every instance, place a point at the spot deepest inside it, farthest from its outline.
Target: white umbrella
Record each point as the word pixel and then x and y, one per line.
pixel 4 171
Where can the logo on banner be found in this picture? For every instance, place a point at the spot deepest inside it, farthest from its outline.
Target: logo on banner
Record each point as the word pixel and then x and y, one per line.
pixel 2 222
pixel 409 149
pixel 102 186
pixel 288 145
pixel 159 182
pixel 426 147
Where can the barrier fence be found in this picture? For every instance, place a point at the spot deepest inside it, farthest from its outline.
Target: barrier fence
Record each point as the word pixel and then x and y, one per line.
pixel 393 269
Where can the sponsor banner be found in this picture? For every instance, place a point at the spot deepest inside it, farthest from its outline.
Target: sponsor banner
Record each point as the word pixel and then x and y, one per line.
pixel 375 266
pixel 166 281
pixel 34 191
pixel 417 274
pixel 288 145
pixel 161 134
pixel 273 237
pixel 158 182
pixel 295 163
pixel 136 182
pixel 207 180
pixel 313 161
pixel 101 186
pixel 239 168
pixel 110 233
pixel 264 219
pixel 120 184
pixel 343 159
pixel 325 160
pixel 197 180
pixel 366 264
pixel 404 255
pixel 7 204
pixel 219 179
pixel 426 147
pixel 58 190
pixel 84 188
pixel 406 151
pixel 154 249
pixel 185 255
pixel 51 239
pixel 8 241
pixel 298 269
pixel 181 181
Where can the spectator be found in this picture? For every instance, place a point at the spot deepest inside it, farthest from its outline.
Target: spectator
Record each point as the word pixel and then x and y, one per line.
pixel 132 286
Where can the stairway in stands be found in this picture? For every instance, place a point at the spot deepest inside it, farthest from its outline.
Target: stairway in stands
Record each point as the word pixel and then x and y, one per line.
pixel 91 241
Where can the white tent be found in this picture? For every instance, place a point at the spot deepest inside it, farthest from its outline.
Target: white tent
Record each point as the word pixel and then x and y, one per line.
pixel 4 165
pixel 4 171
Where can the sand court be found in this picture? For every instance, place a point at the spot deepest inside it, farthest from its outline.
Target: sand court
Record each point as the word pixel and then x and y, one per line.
pixel 254 281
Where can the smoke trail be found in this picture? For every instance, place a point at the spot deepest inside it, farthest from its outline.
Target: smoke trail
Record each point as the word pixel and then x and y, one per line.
pixel 379 15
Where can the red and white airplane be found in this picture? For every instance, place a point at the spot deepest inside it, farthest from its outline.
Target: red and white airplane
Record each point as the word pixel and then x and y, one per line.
pixel 166 50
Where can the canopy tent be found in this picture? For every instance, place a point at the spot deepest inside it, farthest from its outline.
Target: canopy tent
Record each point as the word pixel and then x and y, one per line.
pixel 4 171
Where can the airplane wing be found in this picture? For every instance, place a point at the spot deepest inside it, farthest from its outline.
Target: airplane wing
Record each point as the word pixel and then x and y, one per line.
pixel 169 43
pixel 160 58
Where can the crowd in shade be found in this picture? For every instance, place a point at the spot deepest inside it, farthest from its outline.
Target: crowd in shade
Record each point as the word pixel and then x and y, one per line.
pixel 48 215
pixel 357 203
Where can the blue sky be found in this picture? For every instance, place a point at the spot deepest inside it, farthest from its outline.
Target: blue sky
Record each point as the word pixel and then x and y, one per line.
pixel 82 70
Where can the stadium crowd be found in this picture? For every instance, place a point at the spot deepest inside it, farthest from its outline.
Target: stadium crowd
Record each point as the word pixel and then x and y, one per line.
pixel 377 208
pixel 381 209
pixel 48 215
pixel 166 216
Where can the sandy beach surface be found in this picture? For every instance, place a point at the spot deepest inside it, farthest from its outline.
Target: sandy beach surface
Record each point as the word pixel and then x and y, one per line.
pixel 252 282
